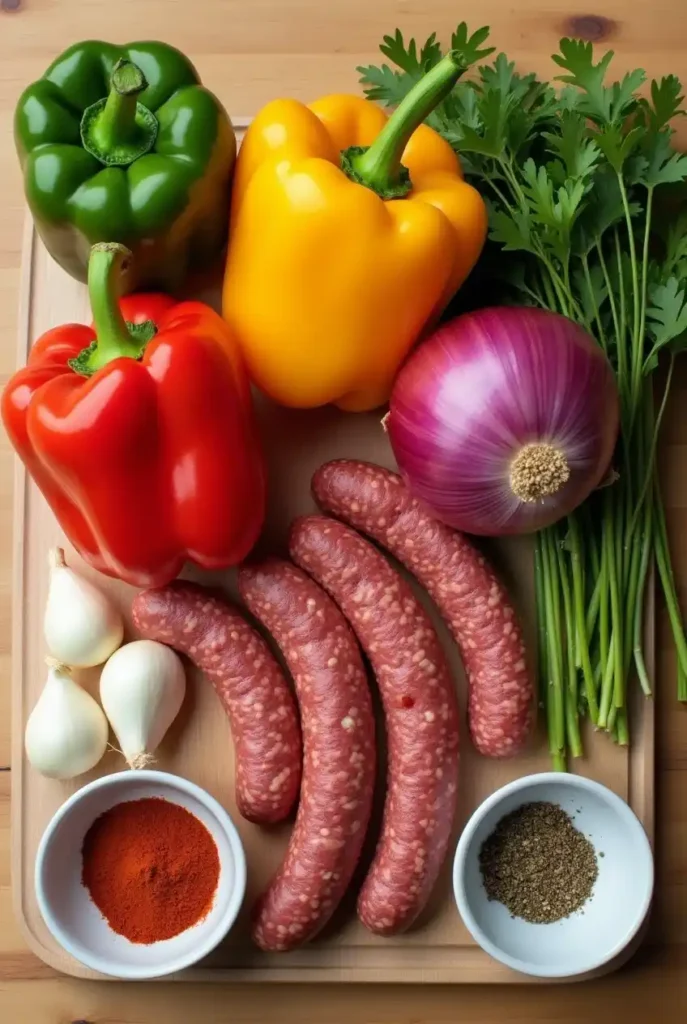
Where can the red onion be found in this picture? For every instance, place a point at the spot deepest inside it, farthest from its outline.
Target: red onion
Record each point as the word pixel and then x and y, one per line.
pixel 504 420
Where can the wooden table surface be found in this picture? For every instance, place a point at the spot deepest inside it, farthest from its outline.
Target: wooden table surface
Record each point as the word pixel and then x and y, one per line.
pixel 250 51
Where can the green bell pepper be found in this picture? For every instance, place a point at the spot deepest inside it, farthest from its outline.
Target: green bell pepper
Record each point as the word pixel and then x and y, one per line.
pixel 123 144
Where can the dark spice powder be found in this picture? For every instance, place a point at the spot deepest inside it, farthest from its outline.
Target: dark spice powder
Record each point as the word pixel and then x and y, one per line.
pixel 151 868
pixel 538 864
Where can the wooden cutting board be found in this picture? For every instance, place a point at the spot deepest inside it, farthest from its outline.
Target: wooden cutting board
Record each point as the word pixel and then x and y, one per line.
pixel 199 745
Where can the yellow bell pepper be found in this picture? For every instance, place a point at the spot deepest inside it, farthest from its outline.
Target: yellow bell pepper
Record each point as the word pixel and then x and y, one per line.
pixel 350 232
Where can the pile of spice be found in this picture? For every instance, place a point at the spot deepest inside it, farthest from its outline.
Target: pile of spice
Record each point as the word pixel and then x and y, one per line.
pixel 538 864
pixel 151 868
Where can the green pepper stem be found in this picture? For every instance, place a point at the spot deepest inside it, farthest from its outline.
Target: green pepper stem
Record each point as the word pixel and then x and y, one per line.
pixel 117 123
pixel 379 166
pixel 107 262
pixel 118 129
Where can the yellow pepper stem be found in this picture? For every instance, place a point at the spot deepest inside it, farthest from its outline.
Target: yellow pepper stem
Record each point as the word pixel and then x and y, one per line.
pixel 379 166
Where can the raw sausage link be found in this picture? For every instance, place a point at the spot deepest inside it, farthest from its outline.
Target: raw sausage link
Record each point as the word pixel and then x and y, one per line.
pixel 338 751
pixel 466 590
pixel 248 681
pixel 420 710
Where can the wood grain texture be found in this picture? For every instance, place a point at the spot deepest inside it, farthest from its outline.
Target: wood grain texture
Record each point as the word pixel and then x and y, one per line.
pixel 250 51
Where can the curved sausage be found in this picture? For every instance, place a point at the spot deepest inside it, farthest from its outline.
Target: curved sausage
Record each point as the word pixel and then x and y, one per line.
pixel 338 751
pixel 421 715
pixel 464 587
pixel 249 683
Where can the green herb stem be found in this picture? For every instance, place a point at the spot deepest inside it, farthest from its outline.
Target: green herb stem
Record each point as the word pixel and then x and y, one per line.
pixel 591 295
pixel 580 619
pixel 593 611
pixel 650 458
pixel 609 289
pixel 604 630
pixel 606 698
pixel 623 732
pixel 637 378
pixel 542 620
pixel 621 354
pixel 636 325
pixel 644 541
pixel 548 289
pixel 572 723
pixel 512 179
pixel 555 697
pixel 665 572
pixel 609 539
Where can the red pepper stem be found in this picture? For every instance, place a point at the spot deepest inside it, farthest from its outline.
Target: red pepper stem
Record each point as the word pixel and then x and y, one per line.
pixel 107 262
pixel 379 166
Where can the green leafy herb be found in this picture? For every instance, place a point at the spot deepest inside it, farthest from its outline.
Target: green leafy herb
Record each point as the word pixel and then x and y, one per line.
pixel 666 318
pixel 573 176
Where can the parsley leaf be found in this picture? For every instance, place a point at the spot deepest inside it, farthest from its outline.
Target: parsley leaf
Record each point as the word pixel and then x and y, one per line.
pixel 490 138
pixel 593 294
pixel 501 77
pixel 666 319
pixel 661 165
pixel 470 46
pixel 576 57
pixel 675 240
pixel 577 153
pixel 601 103
pixel 554 210
pixel 603 210
pixel 512 230
pixel 665 104
pixel 617 144
pixel 407 58
pixel 386 85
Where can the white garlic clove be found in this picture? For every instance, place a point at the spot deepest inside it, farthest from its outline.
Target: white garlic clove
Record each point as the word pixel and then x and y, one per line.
pixel 142 689
pixel 66 733
pixel 82 626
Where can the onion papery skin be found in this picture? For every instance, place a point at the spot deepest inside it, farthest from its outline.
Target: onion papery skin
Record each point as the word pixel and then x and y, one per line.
pixel 480 389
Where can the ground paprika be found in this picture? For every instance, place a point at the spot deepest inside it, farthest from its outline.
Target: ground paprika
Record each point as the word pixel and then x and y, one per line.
pixel 151 868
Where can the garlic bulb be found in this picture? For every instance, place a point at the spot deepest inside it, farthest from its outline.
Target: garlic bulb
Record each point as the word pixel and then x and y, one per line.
pixel 82 626
pixel 66 733
pixel 142 688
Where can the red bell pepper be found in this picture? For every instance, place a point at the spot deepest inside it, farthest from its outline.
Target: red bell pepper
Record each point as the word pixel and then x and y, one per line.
pixel 140 433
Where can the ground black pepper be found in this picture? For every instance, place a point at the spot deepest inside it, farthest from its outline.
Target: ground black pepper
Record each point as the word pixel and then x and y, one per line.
pixel 538 864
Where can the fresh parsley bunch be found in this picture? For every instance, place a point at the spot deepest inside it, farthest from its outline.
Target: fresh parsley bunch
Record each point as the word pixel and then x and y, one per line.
pixel 573 177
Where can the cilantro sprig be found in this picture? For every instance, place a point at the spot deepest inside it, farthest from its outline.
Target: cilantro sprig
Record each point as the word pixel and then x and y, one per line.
pixel 573 172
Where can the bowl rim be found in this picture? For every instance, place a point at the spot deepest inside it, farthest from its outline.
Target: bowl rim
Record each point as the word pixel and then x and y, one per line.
pixel 174 782
pixel 571 781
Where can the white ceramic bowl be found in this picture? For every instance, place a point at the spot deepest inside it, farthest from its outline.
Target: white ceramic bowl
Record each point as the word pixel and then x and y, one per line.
pixel 610 919
pixel 76 922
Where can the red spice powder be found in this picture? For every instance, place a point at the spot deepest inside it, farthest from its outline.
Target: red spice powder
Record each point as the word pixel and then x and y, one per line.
pixel 151 868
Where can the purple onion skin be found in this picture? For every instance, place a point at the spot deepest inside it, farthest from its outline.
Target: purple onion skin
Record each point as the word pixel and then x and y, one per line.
pixel 482 386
